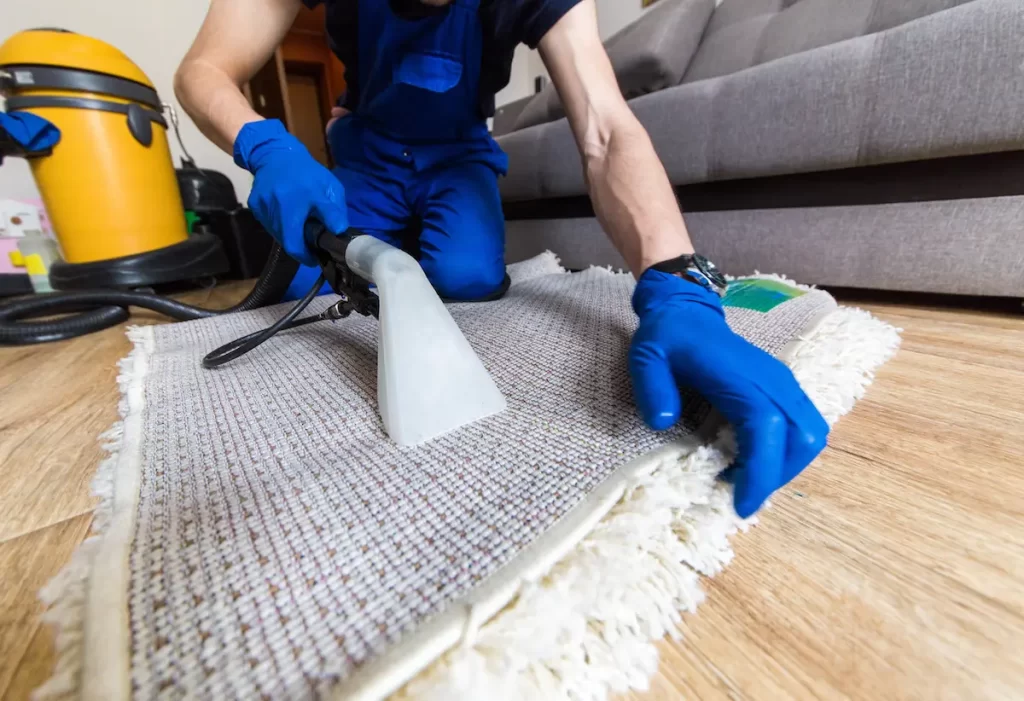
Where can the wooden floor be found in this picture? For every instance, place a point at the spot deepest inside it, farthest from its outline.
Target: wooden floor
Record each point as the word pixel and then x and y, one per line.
pixel 893 569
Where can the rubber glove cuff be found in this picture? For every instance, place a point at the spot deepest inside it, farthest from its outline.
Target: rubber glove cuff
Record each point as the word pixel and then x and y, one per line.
pixel 256 140
pixel 32 134
pixel 655 288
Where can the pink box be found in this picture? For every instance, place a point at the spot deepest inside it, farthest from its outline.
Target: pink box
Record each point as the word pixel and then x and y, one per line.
pixel 9 244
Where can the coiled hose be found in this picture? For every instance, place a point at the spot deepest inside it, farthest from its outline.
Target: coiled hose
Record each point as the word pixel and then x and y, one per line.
pixel 93 310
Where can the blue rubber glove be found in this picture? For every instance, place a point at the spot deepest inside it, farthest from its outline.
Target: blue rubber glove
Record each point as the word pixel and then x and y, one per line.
pixel 30 133
pixel 289 187
pixel 684 340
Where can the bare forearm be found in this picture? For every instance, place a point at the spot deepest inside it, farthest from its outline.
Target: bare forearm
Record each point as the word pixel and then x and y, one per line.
pixel 633 198
pixel 213 101
pixel 237 37
pixel 631 193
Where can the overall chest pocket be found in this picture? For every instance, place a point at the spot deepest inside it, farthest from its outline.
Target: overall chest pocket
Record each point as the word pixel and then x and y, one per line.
pixel 435 72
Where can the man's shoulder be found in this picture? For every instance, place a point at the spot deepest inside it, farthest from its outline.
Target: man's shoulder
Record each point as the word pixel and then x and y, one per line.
pixel 525 21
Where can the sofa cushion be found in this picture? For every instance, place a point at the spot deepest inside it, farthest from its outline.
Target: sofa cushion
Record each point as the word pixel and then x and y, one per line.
pixel 968 246
pixel 652 53
pixel 649 55
pixel 745 33
pixel 947 84
pixel 539 110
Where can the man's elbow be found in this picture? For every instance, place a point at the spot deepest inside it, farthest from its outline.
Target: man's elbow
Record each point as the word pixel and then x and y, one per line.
pixel 195 82
pixel 182 83
pixel 616 131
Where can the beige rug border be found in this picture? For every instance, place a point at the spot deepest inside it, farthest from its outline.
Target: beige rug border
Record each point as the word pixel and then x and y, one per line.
pixel 106 672
pixel 387 673
pixel 89 599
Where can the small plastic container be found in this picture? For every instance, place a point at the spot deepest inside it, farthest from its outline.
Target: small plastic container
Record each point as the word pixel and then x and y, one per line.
pixel 36 253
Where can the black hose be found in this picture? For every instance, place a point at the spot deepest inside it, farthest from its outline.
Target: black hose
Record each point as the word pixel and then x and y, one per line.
pixel 241 346
pixel 93 310
pixel 331 249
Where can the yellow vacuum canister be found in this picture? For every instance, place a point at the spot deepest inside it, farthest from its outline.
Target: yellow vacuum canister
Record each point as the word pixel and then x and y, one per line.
pixel 109 184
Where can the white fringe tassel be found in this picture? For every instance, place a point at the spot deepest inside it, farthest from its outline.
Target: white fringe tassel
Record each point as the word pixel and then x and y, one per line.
pixel 588 628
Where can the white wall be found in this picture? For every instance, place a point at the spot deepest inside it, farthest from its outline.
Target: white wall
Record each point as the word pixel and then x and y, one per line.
pixel 155 34
pixel 521 82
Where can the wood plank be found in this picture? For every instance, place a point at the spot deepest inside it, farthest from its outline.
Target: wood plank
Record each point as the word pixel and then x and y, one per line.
pixel 980 397
pixel 26 565
pixel 951 336
pixel 832 598
pixel 35 668
pixel 58 399
pixel 929 316
pixel 48 432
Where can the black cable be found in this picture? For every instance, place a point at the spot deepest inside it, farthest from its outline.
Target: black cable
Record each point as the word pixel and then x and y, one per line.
pixel 241 346
pixel 94 310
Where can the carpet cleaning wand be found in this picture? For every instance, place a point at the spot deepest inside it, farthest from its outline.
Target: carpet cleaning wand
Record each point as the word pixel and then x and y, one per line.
pixel 429 379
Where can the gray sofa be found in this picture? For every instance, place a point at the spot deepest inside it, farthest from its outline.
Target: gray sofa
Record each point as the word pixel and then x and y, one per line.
pixel 855 143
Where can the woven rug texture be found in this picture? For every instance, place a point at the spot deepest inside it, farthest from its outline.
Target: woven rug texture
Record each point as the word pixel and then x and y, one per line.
pixel 281 540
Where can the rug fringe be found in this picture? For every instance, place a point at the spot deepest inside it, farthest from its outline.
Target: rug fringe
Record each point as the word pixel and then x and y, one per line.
pixel 588 627
pixel 758 275
pixel 66 595
pixel 546 263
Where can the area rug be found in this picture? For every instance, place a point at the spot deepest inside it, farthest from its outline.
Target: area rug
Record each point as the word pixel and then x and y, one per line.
pixel 260 537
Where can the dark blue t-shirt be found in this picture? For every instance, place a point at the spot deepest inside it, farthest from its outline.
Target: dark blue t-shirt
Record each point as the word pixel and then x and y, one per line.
pixel 506 24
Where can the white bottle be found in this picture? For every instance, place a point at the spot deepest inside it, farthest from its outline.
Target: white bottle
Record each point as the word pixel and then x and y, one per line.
pixel 36 251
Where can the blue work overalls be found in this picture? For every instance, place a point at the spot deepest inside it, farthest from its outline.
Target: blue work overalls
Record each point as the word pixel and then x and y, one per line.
pixel 415 156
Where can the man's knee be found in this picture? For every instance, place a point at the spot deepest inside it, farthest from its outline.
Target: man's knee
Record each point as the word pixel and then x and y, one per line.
pixel 466 278
pixel 462 245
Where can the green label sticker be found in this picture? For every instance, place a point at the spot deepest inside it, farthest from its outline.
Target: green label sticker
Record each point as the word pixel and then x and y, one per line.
pixel 759 295
pixel 190 220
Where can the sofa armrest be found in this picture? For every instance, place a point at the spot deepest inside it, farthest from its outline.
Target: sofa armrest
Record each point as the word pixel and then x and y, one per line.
pixel 506 115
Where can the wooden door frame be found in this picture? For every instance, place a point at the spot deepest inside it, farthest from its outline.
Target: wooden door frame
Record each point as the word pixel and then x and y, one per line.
pixel 278 60
pixel 317 71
